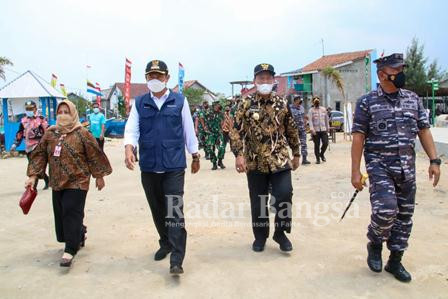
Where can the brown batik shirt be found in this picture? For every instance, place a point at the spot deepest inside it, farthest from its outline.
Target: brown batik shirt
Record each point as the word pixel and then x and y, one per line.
pixel 80 157
pixel 262 131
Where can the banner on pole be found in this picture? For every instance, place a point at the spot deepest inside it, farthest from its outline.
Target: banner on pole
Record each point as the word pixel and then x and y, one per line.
pixel 127 84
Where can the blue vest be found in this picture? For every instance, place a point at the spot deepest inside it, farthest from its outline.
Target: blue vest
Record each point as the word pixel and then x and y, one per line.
pixel 161 142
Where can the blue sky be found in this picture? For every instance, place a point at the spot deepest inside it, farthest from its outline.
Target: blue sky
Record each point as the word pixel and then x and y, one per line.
pixel 216 41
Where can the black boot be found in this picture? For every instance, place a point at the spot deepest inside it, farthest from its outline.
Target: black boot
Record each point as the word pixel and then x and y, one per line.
pixel 214 166
pixel 220 164
pixel 283 241
pixel 395 267
pixel 318 161
pixel 374 260
pixel 258 245
pixel 305 161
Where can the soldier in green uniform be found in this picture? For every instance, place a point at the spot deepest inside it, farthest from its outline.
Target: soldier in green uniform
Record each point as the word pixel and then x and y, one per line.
pixel 202 128
pixel 215 140
pixel 263 129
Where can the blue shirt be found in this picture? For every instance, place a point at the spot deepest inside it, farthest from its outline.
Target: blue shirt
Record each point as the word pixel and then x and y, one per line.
pixel 96 120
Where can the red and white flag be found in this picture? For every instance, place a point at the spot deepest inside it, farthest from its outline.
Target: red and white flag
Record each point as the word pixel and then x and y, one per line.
pixel 127 84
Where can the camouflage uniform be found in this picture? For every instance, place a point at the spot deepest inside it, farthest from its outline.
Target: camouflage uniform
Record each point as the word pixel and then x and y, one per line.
pixel 215 139
pixel 298 114
pixel 263 129
pixel 202 138
pixel 390 125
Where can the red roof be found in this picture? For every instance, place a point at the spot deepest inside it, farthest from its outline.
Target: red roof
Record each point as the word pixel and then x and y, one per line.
pixel 335 59
pixel 137 89
pixel 188 84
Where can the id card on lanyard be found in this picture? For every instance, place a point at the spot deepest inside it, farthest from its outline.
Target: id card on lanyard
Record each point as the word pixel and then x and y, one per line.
pixel 58 147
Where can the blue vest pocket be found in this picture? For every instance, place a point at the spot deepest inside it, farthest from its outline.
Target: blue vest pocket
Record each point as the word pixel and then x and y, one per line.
pixel 173 153
pixel 147 154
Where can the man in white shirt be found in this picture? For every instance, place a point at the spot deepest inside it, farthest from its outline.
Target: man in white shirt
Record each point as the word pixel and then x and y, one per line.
pixel 161 125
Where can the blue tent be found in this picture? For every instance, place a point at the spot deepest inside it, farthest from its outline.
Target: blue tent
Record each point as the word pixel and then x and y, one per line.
pixel 28 86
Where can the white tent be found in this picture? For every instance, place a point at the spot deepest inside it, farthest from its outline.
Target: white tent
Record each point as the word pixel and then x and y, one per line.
pixel 28 86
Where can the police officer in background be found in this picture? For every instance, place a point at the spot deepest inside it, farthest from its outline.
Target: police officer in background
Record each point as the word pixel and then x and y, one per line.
pixel 32 128
pixel 385 125
pixel 263 129
pixel 298 112
pixel 161 125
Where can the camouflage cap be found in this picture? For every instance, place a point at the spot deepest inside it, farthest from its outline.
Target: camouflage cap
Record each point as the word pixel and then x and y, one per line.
pixel 394 60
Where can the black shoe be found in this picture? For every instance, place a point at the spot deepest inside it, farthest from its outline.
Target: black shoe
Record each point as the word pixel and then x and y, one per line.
pixel 395 267
pixel 317 161
pixel 161 254
pixel 46 187
pixel 220 164
pixel 374 260
pixel 305 162
pixel 214 166
pixel 83 236
pixel 46 183
pixel 176 270
pixel 283 241
pixel 258 245
pixel 323 158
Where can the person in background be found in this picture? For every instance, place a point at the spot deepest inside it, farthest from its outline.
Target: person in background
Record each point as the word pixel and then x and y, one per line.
pixel 73 156
pixel 319 127
pixel 32 128
pixel 97 123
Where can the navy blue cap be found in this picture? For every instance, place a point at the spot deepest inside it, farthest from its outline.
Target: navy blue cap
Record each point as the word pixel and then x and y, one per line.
pixel 264 67
pixel 394 60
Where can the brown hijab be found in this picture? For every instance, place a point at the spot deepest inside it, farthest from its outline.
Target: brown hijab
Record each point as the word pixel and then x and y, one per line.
pixel 67 123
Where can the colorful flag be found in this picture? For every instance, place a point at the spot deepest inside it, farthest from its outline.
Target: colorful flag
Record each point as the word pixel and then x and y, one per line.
pixel 54 79
pixel 98 97
pixel 127 84
pixel 92 89
pixel 63 90
pixel 181 78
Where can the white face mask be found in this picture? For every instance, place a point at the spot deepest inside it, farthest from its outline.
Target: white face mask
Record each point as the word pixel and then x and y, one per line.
pixel 96 110
pixel 264 88
pixel 29 113
pixel 156 85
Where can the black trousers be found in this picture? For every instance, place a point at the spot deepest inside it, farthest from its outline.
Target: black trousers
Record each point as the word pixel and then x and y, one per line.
pixel 68 208
pixel 164 192
pixel 281 201
pixel 317 138
pixel 100 143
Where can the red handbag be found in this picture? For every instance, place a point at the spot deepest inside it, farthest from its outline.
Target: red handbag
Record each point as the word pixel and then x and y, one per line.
pixel 27 199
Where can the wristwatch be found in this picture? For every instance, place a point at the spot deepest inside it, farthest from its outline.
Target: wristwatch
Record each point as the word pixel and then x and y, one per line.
pixel 435 162
pixel 195 157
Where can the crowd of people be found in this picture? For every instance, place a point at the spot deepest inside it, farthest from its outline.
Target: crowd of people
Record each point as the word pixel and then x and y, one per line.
pixel 267 136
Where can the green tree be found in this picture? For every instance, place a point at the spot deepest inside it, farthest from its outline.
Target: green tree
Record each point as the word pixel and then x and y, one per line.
pixel 415 70
pixel 195 96
pixel 121 107
pixel 434 71
pixel 4 61
pixel 334 76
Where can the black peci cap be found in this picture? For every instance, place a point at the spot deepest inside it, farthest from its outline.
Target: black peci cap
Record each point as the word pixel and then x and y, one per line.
pixel 156 66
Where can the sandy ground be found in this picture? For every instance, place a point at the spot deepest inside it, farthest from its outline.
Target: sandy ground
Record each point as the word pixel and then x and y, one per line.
pixel 328 258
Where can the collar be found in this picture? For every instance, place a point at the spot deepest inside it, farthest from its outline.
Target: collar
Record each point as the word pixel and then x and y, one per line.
pixel 382 93
pixel 162 98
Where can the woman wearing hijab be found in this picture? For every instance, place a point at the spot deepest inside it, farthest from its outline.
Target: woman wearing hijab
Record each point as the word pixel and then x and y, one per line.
pixel 73 155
